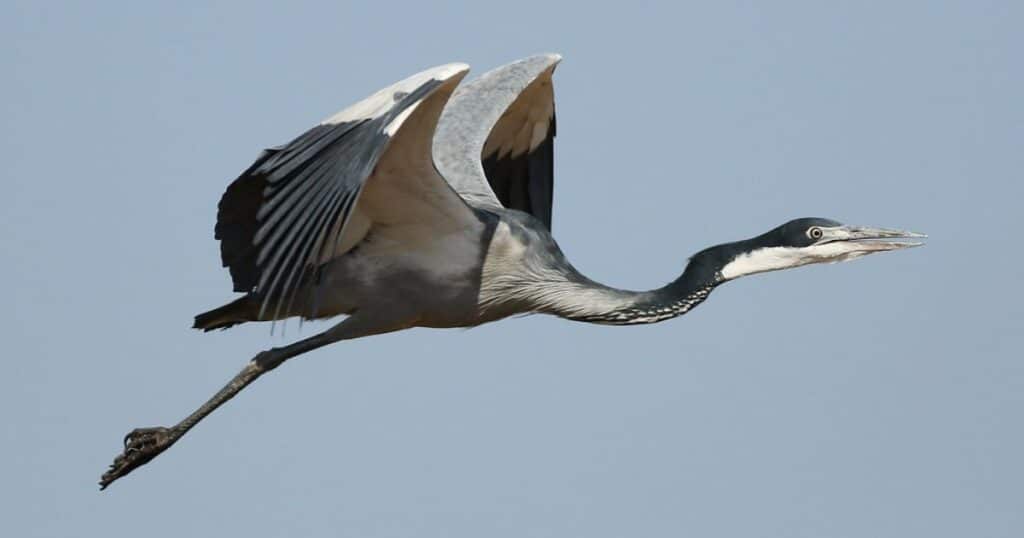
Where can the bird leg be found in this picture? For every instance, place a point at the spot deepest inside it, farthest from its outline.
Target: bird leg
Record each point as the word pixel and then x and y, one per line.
pixel 143 444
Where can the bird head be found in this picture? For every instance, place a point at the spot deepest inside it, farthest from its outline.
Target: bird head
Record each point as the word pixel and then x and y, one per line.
pixel 796 243
pixel 808 241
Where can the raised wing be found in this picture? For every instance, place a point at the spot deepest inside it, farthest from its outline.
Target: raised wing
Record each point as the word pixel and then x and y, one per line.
pixel 495 139
pixel 301 204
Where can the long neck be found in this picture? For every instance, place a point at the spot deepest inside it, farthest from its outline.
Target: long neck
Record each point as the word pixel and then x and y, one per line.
pixel 592 302
pixel 525 271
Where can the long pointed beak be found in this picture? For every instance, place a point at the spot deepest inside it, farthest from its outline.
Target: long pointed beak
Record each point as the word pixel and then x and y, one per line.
pixel 869 239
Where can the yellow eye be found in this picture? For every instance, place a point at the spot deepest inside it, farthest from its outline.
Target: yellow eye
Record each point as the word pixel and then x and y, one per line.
pixel 815 233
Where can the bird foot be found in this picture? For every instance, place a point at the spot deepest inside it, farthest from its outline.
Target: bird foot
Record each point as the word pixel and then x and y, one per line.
pixel 140 446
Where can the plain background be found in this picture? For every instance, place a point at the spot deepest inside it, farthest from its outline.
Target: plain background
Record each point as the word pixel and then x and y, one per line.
pixel 879 398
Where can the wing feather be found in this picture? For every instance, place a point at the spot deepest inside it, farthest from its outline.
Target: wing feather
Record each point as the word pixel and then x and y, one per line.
pixel 494 142
pixel 287 212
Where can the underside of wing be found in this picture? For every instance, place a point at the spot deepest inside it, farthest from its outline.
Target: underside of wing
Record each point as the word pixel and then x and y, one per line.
pixel 289 211
pixel 495 140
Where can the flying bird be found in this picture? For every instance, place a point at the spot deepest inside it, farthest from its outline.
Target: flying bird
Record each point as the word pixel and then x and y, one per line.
pixel 428 204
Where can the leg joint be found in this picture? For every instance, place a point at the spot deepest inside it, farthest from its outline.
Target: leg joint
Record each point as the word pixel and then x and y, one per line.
pixel 267 360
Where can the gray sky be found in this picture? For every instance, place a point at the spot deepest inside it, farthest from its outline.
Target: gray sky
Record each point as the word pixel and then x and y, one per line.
pixel 879 398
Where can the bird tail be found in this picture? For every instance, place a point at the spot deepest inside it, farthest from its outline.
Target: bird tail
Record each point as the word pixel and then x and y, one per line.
pixel 238 311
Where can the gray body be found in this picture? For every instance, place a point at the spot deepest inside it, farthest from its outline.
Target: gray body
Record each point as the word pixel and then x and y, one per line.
pixel 413 291
pixel 508 265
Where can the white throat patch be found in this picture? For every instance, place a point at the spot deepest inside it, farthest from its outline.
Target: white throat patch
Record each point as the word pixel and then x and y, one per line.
pixel 766 259
pixel 775 258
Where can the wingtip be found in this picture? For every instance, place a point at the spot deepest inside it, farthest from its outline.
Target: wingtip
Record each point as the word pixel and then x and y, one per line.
pixel 526 69
pixel 447 71
pixel 550 59
pixel 382 100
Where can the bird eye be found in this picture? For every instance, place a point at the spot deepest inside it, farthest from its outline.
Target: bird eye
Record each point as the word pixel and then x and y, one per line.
pixel 815 232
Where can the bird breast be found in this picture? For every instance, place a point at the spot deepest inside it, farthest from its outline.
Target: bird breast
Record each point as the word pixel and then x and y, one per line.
pixel 516 269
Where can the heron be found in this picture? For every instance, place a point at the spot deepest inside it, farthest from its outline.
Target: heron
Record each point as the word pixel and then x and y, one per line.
pixel 428 204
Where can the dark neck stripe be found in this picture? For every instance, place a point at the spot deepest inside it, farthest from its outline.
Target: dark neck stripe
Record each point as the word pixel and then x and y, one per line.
pixel 666 303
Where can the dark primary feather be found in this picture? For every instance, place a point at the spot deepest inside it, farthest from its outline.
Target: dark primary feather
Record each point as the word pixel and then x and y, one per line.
pixel 525 181
pixel 236 225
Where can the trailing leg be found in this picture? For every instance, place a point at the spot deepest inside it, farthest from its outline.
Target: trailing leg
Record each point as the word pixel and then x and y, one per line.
pixel 143 444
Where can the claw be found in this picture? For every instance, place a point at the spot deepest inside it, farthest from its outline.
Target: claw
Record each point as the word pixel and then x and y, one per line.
pixel 140 446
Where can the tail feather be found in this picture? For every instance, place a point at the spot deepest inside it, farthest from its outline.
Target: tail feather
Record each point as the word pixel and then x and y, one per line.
pixel 238 311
